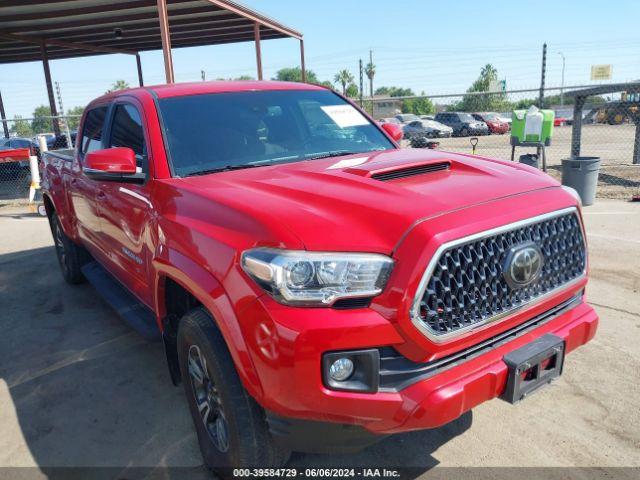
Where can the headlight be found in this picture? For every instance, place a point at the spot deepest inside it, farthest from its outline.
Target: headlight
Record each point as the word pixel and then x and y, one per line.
pixel 313 278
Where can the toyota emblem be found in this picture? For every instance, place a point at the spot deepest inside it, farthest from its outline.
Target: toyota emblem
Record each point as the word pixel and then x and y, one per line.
pixel 523 265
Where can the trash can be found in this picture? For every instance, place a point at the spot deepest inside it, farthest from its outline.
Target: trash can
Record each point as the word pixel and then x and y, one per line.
pixel 530 159
pixel 581 173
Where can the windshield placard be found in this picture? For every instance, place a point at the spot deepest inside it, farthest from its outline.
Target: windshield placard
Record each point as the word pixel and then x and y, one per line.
pixel 345 115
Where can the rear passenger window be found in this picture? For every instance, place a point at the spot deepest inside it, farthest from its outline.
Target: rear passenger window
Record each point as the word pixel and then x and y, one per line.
pixel 92 130
pixel 127 131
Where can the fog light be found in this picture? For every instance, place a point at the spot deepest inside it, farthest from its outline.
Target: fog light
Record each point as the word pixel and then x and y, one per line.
pixel 341 369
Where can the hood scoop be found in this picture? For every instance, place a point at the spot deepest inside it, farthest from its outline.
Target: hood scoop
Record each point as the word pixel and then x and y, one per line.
pixel 411 171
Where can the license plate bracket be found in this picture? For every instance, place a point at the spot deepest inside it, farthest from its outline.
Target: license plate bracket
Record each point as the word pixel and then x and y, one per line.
pixel 533 366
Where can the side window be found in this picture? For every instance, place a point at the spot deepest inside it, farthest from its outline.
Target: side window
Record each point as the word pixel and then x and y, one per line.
pixel 92 130
pixel 126 131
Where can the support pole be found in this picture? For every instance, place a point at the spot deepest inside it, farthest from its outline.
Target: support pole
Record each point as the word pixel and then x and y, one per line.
pixel 47 77
pixel 256 36
pixel 544 73
pixel 302 67
pixel 139 65
pixel 576 129
pixel 166 40
pixel 5 126
pixel 636 146
pixel 361 85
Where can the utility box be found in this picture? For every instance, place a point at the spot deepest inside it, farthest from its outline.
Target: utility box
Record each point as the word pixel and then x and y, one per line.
pixel 532 126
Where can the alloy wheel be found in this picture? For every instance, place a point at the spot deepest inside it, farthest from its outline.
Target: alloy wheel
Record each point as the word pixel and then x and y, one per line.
pixel 59 244
pixel 208 400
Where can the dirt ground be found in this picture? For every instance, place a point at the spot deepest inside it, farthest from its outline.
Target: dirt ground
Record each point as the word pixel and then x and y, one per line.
pixel 619 178
pixel 78 388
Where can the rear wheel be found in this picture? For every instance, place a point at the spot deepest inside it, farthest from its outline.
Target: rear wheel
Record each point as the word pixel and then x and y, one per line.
pixel 71 257
pixel 231 426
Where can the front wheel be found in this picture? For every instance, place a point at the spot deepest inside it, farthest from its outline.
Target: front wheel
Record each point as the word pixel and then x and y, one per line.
pixel 464 132
pixel 231 426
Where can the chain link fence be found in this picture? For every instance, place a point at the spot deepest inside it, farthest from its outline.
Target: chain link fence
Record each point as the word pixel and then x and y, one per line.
pixel 608 128
pixel 15 174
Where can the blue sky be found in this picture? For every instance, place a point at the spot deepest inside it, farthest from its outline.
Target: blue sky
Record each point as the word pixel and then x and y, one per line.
pixel 435 47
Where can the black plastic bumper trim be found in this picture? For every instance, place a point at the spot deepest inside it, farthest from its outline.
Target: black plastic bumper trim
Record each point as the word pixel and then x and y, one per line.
pixel 398 372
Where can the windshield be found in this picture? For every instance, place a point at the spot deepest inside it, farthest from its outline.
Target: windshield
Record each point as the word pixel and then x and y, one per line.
pixel 219 131
pixel 467 117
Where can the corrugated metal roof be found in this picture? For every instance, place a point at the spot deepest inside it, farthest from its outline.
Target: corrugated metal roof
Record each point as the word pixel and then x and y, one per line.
pixel 94 23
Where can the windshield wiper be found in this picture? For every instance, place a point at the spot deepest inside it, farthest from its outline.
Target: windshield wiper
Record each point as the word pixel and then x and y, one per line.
pixel 226 168
pixel 334 153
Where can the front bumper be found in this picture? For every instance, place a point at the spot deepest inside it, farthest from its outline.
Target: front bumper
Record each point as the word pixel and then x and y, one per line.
pixel 287 344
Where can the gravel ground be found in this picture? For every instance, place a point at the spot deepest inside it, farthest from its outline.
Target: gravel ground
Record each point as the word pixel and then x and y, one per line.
pixel 619 178
pixel 78 388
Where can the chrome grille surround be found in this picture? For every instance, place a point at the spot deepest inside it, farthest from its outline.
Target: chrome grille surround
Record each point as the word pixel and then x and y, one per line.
pixel 470 297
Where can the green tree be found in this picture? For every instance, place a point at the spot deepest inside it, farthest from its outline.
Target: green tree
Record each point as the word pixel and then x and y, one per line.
pixel 40 124
pixel 244 77
pixel 482 103
pixel 294 74
pixel 118 85
pixel 343 78
pixel 370 72
pixel 353 91
pixel 21 127
pixel 418 106
pixel 394 92
pixel 74 122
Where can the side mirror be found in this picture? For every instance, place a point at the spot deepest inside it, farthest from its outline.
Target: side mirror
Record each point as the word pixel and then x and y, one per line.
pixel 393 130
pixel 117 164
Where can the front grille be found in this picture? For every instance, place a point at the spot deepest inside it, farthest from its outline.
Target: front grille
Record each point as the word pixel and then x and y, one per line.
pixel 466 286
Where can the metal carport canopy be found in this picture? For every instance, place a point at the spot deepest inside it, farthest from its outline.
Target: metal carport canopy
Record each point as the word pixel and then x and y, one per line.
pixel 50 30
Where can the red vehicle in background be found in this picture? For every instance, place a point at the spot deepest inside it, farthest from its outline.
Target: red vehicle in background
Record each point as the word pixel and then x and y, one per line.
pixel 494 121
pixel 315 286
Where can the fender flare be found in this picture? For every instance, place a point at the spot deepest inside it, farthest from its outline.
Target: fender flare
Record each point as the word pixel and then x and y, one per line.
pixel 211 294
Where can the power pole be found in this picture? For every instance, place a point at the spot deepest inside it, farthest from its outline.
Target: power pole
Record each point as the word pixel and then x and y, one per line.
pixel 371 79
pixel 544 71
pixel 4 118
pixel 202 75
pixel 361 86
pixel 65 124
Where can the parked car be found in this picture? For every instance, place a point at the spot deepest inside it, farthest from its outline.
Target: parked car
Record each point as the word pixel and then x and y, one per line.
pixel 58 142
pixel 48 137
pixel 506 117
pixel 390 120
pixel 315 291
pixel 463 124
pixel 19 142
pixel 405 118
pixel 493 121
pixel 562 118
pixel 426 128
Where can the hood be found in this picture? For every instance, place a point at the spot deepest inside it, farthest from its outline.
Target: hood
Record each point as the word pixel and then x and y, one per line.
pixel 364 202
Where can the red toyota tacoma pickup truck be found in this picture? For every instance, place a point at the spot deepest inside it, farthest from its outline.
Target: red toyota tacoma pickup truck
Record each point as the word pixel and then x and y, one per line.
pixel 315 286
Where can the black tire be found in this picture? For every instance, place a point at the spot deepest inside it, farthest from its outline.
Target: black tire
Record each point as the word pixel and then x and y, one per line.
pixel 464 132
pixel 246 437
pixel 71 257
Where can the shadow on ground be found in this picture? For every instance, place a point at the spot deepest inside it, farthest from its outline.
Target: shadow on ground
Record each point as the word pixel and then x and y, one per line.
pixel 80 389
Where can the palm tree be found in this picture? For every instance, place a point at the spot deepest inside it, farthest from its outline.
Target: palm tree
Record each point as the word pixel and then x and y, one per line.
pixel 370 71
pixel 118 85
pixel 344 78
